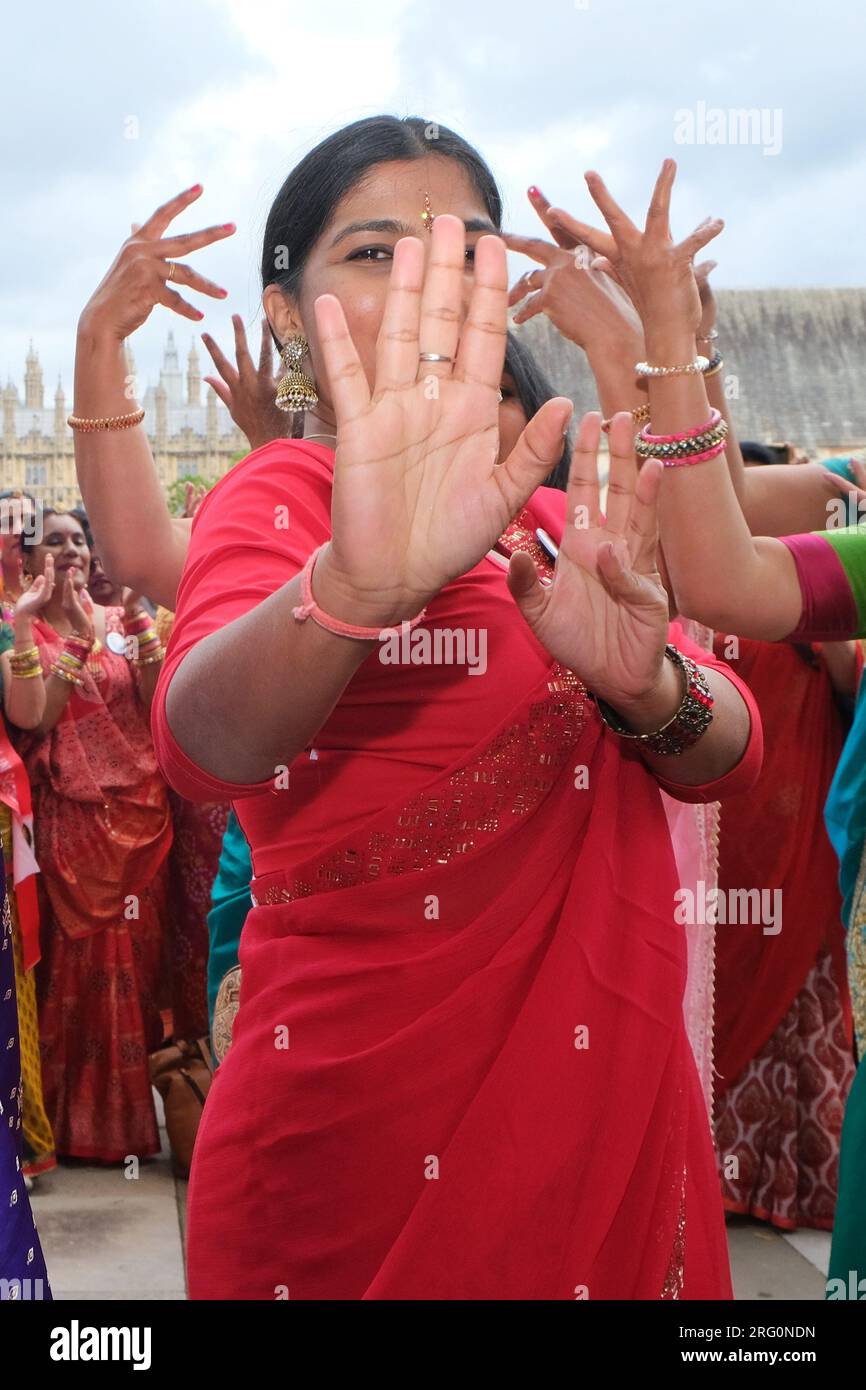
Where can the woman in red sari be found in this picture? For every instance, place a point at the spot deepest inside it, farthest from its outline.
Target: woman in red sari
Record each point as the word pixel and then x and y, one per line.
pixel 102 832
pixel 460 1067
pixel 784 1057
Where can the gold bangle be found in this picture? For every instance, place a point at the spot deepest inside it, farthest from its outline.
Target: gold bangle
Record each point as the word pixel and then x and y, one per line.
pixel 151 660
pixel 30 674
pixel 639 415
pixel 106 422
pixel 65 676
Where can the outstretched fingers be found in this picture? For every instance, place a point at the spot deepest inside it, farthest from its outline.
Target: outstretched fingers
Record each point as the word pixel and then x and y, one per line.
pixel 159 220
pixel 708 229
pixel 481 354
pixel 623 474
pixel 621 225
pixel 397 346
pixel 583 507
pixel 643 536
pixel 350 390
pixel 659 212
pixel 536 453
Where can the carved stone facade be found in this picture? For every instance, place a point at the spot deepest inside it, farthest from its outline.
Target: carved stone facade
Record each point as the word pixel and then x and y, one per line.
pixel 188 436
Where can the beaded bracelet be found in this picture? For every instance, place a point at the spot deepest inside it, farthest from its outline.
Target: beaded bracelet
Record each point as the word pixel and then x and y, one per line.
pixel 686 726
pixel 714 420
pixel 703 457
pixel 682 449
pixel 106 422
pixel 151 660
pixel 699 365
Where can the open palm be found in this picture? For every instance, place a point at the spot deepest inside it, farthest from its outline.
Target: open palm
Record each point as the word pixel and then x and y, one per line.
pixel 419 497
pixel 605 613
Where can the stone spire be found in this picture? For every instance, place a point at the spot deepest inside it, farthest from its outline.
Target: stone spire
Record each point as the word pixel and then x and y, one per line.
pixel 161 397
pixel 171 376
pixel 193 378
pixel 211 426
pixel 33 389
pixel 59 411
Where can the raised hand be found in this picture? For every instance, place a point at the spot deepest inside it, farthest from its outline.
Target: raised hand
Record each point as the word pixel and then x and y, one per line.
pixel 585 305
pixel 605 613
pixel 34 598
pixel 144 272
pixel 73 607
pixel 193 496
pixel 248 390
pixel 656 272
pixel 418 497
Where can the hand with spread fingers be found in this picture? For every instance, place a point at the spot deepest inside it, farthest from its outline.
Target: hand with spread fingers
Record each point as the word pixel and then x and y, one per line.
pixel 656 272
pixel 605 613
pixel 585 305
pixel 145 273
pixel 248 390
pixel 418 495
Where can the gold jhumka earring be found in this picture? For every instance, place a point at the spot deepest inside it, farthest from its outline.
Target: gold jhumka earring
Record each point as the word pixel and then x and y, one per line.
pixel 295 391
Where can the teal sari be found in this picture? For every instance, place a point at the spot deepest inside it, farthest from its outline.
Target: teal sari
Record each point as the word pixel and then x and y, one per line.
pixel 230 903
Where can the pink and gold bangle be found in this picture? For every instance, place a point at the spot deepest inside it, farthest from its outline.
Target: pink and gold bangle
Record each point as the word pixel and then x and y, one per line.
pixel 308 608
pixel 696 458
pixel 105 422
pixel 710 424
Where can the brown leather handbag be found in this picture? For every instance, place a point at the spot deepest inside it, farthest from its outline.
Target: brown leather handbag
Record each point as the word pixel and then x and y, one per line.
pixel 182 1073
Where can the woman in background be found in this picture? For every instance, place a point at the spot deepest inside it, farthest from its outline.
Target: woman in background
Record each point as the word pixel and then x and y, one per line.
pixel 23 706
pixel 102 834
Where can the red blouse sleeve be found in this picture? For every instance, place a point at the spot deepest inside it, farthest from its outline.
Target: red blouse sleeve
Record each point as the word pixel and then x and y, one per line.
pixel 251 535
pixel 744 775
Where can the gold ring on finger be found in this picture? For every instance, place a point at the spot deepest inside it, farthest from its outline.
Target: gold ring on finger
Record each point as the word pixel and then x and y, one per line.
pixel 171 269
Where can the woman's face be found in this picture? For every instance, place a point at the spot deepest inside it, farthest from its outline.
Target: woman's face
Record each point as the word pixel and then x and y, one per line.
pixel 352 257
pixel 64 539
pixel 101 588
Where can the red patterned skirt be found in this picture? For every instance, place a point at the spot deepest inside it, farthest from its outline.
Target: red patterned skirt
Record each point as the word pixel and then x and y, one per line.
pixel 98 1021
pixel 192 865
pixel 778 1126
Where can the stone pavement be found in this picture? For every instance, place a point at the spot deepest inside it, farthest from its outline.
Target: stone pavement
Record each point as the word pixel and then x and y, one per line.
pixel 106 1236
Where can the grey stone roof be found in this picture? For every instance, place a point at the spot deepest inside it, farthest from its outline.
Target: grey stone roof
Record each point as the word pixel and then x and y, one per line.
pixel 797 359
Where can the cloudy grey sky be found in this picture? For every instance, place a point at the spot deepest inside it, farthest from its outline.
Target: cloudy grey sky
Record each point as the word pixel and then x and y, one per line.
pixel 106 110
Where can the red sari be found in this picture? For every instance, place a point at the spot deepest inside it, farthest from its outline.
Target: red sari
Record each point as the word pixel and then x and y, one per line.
pixel 460 1068
pixel 783 1013
pixel 102 834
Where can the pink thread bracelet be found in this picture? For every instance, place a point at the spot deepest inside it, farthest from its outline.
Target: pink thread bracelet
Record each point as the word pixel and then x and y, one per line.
pixel 308 608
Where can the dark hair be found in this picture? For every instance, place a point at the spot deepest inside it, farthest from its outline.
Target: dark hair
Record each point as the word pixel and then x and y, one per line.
pixel 18 494
pixel 307 200
pixel 533 389
pixel 28 543
pixel 756 453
